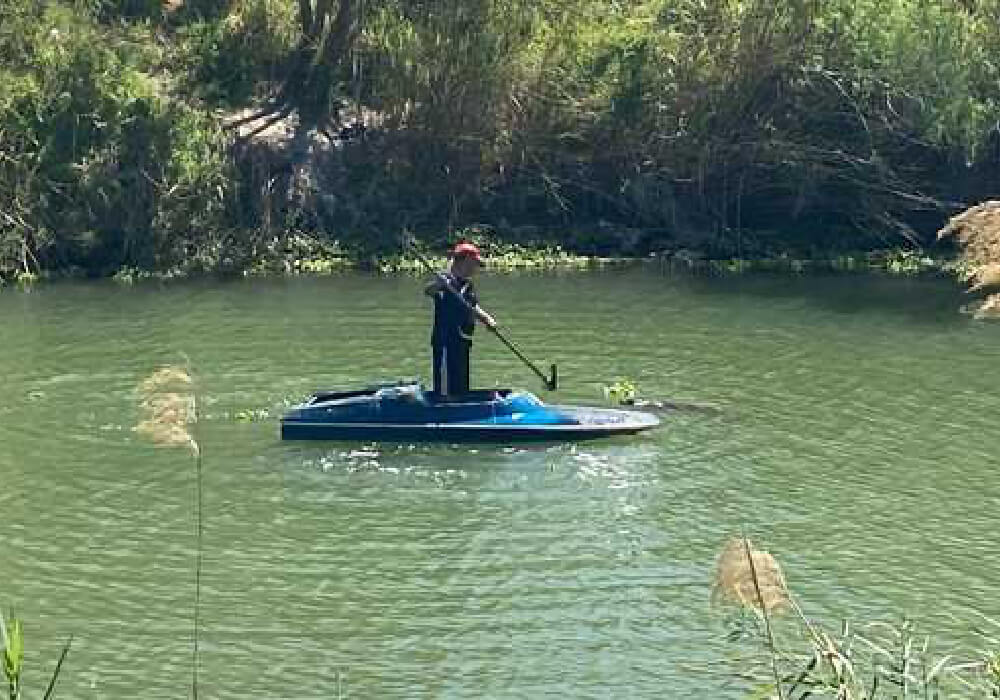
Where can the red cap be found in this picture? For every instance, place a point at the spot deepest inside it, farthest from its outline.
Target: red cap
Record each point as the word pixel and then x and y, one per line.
pixel 468 249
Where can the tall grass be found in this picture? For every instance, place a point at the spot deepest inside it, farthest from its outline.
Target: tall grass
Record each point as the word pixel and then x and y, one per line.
pixel 12 650
pixel 733 124
pixel 977 231
pixel 100 167
pixel 170 412
pixel 857 662
pixel 13 654
pixel 738 128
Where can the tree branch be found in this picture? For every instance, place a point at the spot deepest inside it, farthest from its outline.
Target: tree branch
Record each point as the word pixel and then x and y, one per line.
pixel 265 112
pixel 345 29
pixel 270 122
pixel 306 16
pixel 319 19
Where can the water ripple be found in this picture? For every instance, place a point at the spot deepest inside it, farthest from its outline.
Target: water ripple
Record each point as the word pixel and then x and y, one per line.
pixel 858 441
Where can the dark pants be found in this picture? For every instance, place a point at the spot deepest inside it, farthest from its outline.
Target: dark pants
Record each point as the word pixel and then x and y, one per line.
pixel 451 368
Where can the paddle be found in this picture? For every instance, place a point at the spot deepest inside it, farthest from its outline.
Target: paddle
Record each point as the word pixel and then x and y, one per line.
pixel 550 382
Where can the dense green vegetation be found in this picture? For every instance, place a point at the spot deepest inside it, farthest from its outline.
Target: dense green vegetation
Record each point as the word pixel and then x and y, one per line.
pixel 200 133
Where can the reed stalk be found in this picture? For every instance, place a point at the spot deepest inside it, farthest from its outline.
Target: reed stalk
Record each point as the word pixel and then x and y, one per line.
pixel 882 661
pixel 170 410
pixel 59 664
pixel 767 619
pixel 12 652
pixel 13 655
pixel 977 231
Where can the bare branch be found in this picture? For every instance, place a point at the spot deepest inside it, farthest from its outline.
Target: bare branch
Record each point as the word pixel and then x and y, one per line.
pixel 319 19
pixel 345 29
pixel 260 114
pixel 267 124
pixel 306 16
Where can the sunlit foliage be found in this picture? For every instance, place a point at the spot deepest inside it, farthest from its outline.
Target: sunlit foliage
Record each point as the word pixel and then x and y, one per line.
pixel 736 127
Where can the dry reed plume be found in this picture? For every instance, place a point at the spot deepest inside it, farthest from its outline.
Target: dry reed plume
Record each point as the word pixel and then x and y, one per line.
pixel 978 232
pixel 167 402
pixel 880 661
pixel 168 405
pixel 735 577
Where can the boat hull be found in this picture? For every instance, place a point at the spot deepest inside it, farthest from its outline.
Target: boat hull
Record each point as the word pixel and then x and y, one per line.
pixel 464 432
pixel 408 414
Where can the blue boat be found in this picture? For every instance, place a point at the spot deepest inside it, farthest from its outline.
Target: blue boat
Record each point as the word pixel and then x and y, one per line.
pixel 406 412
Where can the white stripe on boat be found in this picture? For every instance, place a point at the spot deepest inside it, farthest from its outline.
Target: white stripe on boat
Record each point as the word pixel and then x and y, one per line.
pixel 488 426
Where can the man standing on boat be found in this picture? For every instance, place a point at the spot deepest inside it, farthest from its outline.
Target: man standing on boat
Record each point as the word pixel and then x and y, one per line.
pixel 456 309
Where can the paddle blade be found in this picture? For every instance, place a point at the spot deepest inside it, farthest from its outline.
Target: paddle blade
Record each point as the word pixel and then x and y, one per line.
pixel 553 383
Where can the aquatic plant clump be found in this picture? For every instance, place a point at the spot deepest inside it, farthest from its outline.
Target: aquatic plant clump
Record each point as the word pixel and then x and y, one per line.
pixel 621 392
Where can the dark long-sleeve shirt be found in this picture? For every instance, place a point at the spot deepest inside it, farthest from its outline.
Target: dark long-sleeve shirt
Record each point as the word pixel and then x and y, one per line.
pixel 453 322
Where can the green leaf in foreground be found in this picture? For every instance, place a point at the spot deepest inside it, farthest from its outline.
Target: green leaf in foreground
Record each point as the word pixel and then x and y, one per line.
pixel 13 654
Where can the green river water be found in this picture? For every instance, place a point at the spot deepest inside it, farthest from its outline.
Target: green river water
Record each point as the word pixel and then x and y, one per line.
pixel 857 440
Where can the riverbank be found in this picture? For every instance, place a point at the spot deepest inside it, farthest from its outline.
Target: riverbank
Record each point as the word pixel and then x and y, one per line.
pixel 640 127
pixel 326 260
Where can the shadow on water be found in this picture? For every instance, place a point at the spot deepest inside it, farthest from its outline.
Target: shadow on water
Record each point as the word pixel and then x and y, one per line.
pixel 922 300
